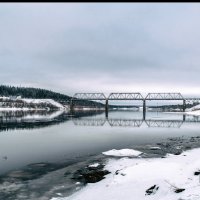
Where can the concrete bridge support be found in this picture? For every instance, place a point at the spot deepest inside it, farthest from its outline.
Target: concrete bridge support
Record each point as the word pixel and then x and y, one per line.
pixel 71 106
pixel 106 108
pixel 144 109
pixel 184 105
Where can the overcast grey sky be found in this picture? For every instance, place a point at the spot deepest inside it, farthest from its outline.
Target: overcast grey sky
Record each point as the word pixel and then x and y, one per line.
pixel 101 47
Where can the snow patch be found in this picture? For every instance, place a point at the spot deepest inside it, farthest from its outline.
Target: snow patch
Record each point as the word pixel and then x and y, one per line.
pixel 195 112
pixel 197 107
pixel 155 148
pixel 94 165
pixel 122 153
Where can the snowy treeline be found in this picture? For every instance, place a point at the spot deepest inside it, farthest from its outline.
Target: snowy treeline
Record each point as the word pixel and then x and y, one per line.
pixel 19 103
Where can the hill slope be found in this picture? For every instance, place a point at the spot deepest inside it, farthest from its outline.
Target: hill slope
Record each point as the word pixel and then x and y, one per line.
pixel 38 93
pixel 34 93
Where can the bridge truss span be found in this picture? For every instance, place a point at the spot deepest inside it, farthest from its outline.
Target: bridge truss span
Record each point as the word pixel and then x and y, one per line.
pixel 125 96
pixel 164 96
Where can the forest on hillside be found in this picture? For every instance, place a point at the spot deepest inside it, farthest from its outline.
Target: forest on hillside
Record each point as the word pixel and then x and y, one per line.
pixel 34 93
pixel 38 93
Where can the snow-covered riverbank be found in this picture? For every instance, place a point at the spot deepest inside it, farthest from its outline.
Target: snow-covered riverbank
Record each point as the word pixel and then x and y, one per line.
pixel 24 104
pixel 193 111
pixel 171 178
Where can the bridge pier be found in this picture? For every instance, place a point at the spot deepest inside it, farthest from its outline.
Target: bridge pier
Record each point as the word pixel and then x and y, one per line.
pixel 184 105
pixel 144 116
pixel 106 108
pixel 144 109
pixel 71 106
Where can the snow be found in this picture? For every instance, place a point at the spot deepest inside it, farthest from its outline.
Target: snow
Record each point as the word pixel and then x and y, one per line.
pixel 195 112
pixel 4 98
pixel 94 165
pixel 38 101
pixel 122 153
pixel 197 107
pixel 16 109
pixel 34 101
pixel 136 175
pixel 155 148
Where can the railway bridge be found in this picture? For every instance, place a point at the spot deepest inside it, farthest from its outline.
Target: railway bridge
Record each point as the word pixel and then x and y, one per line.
pixel 133 96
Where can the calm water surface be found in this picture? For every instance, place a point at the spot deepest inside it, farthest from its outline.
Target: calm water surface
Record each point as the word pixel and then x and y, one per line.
pixel 49 142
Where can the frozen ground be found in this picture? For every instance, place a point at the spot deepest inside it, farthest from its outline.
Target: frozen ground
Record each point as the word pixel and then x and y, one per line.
pixel 194 110
pixel 33 101
pixel 175 177
pixel 38 101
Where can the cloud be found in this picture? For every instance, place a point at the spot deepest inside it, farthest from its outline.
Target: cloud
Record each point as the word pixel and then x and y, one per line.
pixel 107 47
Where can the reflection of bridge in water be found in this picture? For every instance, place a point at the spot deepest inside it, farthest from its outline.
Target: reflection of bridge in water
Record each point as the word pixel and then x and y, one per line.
pixel 31 120
pixel 125 122
pixel 89 122
pixel 113 122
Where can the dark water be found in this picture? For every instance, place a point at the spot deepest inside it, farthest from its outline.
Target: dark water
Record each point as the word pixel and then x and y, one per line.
pixel 39 151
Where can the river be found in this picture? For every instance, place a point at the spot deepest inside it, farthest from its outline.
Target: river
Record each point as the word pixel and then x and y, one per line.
pixel 39 151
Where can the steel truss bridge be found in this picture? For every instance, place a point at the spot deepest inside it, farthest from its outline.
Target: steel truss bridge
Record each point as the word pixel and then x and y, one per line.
pixel 130 96
pixel 113 122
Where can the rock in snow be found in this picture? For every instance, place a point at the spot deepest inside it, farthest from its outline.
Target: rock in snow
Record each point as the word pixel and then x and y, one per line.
pixel 152 190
